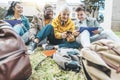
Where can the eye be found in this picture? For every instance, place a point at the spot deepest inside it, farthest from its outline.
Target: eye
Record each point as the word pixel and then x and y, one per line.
pixel 19 7
pixel 81 14
pixel 64 14
pixel 68 14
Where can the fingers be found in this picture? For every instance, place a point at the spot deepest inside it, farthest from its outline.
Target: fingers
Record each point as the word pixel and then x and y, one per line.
pixel 64 35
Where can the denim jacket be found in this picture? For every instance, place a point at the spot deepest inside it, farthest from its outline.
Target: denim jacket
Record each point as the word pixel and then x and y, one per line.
pixel 25 22
pixel 90 22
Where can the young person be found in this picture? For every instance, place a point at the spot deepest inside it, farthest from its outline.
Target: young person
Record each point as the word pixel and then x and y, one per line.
pixel 84 37
pixel 15 13
pixel 40 21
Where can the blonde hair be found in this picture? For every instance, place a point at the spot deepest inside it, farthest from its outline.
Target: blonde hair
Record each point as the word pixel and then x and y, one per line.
pixel 64 8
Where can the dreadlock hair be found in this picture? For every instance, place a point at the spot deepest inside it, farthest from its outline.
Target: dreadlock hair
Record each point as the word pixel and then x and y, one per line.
pixel 47 8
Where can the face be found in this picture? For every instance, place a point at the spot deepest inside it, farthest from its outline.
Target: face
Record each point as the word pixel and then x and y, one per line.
pixel 64 15
pixel 18 9
pixel 81 15
pixel 50 14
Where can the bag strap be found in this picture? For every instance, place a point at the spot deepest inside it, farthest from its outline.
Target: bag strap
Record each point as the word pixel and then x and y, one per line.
pixel 11 53
pixel 117 68
pixel 85 71
pixel 3 23
pixel 112 48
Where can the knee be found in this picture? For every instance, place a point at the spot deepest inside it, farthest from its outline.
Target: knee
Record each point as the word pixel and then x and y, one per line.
pixel 78 38
pixel 49 27
pixel 85 32
pixel 106 32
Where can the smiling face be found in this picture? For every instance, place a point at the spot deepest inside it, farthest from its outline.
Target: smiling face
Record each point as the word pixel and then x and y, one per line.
pixel 48 14
pixel 81 15
pixel 64 15
pixel 18 9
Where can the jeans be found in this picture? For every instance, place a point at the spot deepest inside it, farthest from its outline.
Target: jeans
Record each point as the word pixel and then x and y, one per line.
pixel 48 32
pixel 25 37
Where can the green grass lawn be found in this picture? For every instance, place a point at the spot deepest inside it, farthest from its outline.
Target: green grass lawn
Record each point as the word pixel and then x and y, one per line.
pixel 117 33
pixel 49 70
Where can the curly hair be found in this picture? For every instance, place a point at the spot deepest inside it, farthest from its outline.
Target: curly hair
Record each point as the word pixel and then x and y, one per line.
pixel 47 9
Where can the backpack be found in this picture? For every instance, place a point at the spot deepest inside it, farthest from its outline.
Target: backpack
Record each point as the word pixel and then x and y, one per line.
pixel 14 60
pixel 68 59
pixel 101 60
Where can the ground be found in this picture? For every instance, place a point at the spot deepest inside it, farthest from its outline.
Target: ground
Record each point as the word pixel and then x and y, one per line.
pixel 49 70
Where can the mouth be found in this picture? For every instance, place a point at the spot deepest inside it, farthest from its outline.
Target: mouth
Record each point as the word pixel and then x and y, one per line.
pixel 64 19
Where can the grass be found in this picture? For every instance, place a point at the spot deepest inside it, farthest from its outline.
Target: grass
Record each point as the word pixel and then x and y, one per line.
pixel 117 33
pixel 49 70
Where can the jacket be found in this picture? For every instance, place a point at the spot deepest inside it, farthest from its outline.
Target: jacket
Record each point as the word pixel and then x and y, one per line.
pixel 59 29
pixel 24 20
pixel 90 22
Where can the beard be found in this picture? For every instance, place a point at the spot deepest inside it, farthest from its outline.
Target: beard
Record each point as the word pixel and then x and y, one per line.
pixel 47 16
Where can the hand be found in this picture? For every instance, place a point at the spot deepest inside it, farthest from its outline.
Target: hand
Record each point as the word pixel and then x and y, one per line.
pixel 76 33
pixel 96 32
pixel 36 40
pixel 70 38
pixel 32 37
pixel 64 35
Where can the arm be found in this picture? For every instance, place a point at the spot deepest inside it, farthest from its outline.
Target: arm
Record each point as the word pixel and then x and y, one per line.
pixel 60 31
pixel 27 24
pixel 100 29
pixel 57 33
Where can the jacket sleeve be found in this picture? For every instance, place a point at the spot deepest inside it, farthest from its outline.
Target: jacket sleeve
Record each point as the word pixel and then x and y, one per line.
pixel 27 24
pixel 32 31
pixel 100 29
pixel 58 35
pixel 72 27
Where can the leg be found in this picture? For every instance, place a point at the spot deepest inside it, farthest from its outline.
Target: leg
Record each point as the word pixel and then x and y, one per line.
pixel 42 34
pixel 25 37
pixel 44 41
pixel 48 32
pixel 98 37
pixel 85 38
pixel 106 34
pixel 111 35
pixel 69 44
pixel 18 28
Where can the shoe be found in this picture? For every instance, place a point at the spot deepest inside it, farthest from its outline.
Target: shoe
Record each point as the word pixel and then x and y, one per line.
pixel 47 47
pixel 32 46
pixel 30 52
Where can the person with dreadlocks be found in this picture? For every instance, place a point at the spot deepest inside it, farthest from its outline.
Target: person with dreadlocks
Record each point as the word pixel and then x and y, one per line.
pixel 38 22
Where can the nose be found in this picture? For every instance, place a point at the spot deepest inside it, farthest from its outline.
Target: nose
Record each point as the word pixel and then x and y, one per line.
pixel 66 16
